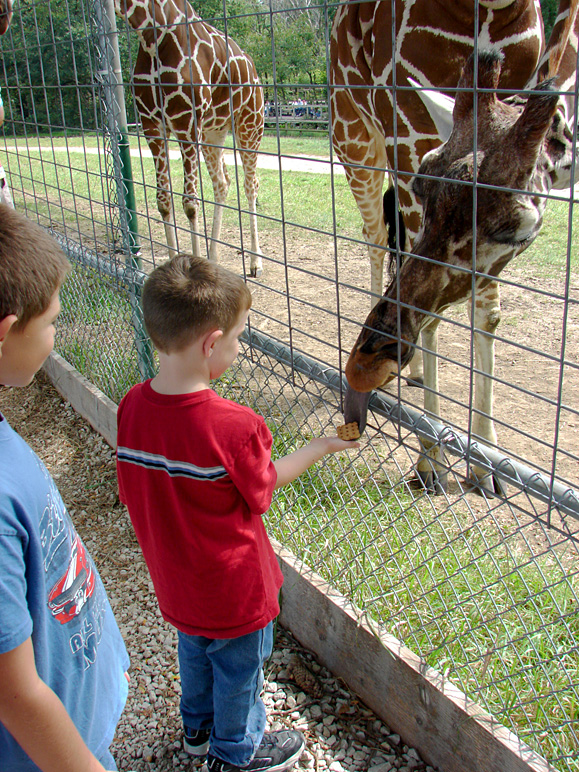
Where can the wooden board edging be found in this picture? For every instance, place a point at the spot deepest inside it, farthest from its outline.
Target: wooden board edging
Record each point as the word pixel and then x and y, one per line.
pixel 89 401
pixel 450 731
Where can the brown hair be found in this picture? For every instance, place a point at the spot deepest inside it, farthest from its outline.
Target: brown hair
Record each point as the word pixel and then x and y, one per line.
pixel 32 267
pixel 188 296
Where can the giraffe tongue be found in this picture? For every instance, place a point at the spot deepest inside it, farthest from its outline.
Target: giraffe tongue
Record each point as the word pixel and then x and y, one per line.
pixel 356 407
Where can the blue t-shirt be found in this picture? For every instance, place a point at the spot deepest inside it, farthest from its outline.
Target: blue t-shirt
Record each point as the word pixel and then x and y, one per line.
pixel 50 589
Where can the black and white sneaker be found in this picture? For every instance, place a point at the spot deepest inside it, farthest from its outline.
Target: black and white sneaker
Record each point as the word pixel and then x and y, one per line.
pixel 196 744
pixel 277 752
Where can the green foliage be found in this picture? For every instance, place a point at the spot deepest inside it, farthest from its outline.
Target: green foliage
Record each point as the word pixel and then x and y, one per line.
pixel 549 10
pixel 48 47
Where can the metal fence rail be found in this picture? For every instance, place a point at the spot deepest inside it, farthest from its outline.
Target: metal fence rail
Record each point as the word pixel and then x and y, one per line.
pixel 484 588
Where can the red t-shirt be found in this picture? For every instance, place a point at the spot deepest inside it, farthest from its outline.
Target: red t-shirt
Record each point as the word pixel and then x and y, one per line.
pixel 196 474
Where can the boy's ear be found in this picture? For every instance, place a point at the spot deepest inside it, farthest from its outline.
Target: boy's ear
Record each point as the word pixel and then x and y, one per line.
pixel 5 325
pixel 210 340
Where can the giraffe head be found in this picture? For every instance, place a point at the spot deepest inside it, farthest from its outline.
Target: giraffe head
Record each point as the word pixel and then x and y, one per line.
pixel 5 15
pixel 468 234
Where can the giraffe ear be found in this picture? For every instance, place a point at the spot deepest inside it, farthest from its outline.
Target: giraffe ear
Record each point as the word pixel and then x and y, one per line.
pixel 532 125
pixel 440 108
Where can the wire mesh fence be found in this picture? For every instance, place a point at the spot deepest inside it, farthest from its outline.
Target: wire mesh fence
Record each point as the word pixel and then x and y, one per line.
pixel 483 587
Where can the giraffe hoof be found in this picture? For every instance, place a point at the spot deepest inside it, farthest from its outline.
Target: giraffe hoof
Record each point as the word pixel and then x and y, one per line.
pixel 255 273
pixel 417 382
pixel 487 485
pixel 432 482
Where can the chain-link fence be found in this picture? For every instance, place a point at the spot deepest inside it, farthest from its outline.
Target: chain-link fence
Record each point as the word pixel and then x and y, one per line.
pixel 484 588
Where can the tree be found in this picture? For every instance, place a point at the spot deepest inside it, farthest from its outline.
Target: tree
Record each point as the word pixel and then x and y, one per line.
pixel 47 67
pixel 549 10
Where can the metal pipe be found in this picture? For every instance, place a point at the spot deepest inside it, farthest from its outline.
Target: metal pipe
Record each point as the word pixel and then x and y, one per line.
pixel 508 470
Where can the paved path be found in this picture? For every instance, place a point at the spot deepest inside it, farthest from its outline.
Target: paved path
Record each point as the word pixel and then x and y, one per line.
pixel 308 164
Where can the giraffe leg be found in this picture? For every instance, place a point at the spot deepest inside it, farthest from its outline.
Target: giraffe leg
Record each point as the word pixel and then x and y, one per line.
pixel 158 146
pixel 416 367
pixel 213 154
pixel 486 313
pixel 366 186
pixel 190 182
pixel 251 186
pixel 431 469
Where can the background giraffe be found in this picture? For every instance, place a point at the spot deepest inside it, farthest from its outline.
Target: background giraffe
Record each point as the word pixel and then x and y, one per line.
pixel 525 144
pixel 193 82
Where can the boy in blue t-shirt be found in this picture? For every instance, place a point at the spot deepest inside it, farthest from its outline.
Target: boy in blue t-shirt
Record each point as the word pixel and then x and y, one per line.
pixel 62 659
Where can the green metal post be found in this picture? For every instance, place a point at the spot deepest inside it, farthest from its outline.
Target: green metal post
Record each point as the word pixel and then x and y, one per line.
pixel 118 129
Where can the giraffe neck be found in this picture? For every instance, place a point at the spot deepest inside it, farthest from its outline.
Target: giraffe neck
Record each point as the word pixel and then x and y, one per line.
pixel 159 15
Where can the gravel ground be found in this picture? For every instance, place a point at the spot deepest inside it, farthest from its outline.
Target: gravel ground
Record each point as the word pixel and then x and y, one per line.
pixel 341 733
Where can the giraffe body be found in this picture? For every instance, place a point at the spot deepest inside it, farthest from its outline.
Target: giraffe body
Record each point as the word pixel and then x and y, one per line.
pixel 197 85
pixel 432 42
pixel 523 144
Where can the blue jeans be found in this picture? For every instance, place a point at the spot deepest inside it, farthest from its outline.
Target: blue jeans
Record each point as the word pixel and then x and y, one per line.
pixel 221 681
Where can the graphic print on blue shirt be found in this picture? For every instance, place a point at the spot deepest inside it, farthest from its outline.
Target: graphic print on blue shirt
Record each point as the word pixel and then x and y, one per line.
pixel 51 592
pixel 70 593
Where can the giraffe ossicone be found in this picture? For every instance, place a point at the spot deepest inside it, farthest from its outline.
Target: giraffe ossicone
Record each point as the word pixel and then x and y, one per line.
pixel 195 83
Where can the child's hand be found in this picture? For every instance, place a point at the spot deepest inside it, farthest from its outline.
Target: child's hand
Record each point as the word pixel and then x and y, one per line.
pixel 291 466
pixel 332 444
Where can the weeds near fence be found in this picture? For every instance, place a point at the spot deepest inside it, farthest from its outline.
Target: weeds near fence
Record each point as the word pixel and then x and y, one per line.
pixel 93 327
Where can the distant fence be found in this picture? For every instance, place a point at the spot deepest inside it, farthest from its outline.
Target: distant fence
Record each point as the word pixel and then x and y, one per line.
pixel 302 115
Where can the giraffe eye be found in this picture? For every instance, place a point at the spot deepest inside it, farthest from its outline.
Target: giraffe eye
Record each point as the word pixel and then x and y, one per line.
pixel 418 187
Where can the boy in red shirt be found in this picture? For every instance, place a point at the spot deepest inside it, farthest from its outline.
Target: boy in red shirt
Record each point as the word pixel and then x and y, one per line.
pixel 196 474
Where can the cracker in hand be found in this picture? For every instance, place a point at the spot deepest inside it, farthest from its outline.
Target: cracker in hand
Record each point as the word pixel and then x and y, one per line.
pixel 349 431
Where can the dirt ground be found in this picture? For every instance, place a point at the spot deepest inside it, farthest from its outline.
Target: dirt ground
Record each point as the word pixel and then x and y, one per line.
pixel 313 294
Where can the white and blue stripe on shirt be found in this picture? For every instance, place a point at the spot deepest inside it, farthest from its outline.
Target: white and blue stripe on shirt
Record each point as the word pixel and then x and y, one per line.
pixel 172 468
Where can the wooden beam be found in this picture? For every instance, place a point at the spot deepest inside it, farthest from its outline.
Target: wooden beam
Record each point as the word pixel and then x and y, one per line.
pixel 90 402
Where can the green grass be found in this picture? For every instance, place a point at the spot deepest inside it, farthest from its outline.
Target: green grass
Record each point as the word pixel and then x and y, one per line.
pixel 73 180
pixel 95 333
pixel 549 250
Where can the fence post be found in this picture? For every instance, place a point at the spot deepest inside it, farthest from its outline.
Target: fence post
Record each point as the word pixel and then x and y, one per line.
pixel 110 75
